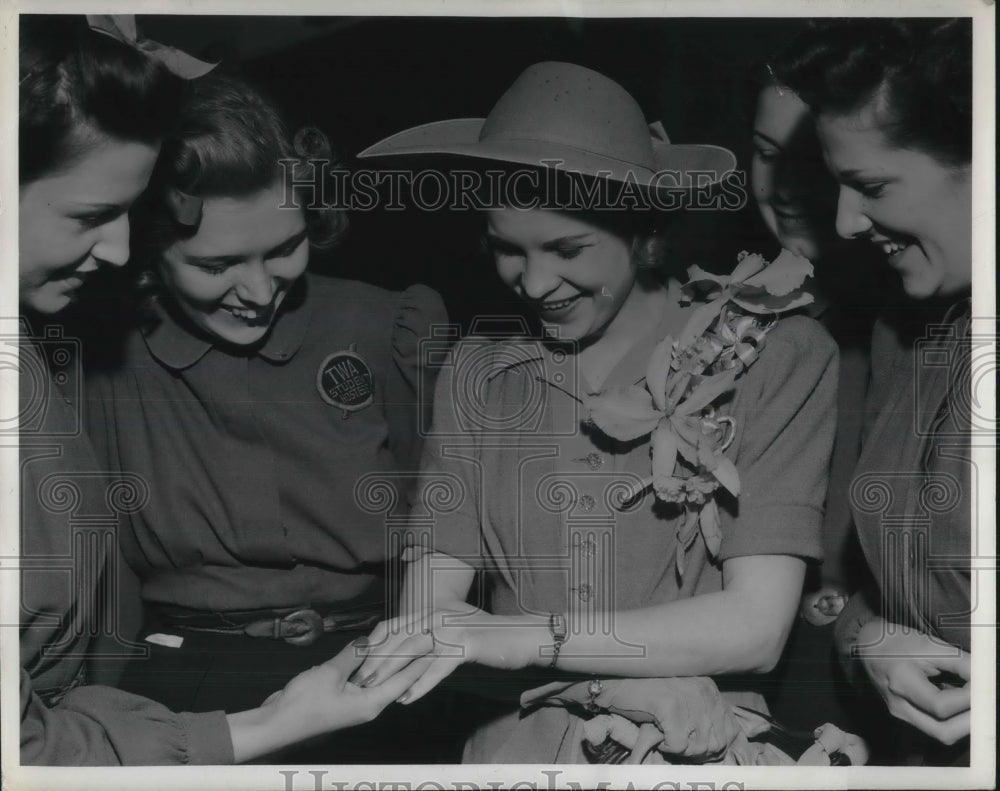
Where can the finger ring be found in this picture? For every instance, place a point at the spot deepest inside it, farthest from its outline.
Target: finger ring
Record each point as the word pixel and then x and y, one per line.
pixel 594 688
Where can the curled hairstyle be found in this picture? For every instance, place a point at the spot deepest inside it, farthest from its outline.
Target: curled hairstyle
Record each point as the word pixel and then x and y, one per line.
pixel 645 228
pixel 918 70
pixel 231 142
pixel 76 84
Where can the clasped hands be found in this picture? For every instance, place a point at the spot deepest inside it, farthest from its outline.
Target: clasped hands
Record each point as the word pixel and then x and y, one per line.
pixel 429 646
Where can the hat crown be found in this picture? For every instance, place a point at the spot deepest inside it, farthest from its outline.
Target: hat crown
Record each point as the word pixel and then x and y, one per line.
pixel 569 105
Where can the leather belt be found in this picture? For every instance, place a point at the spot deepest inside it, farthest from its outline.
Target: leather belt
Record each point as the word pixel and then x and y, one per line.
pixel 298 627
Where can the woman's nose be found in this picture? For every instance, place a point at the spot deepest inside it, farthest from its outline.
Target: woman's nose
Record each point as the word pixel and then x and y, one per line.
pixel 255 285
pixel 112 245
pixel 851 221
pixel 538 280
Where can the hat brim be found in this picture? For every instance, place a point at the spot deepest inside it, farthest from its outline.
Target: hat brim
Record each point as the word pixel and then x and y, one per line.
pixel 460 137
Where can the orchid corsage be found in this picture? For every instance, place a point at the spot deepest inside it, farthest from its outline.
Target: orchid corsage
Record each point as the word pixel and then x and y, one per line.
pixel 687 378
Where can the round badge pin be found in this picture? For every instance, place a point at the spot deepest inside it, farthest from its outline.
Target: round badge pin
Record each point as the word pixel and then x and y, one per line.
pixel 345 380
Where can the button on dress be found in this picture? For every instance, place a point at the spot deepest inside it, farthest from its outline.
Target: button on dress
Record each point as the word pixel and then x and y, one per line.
pixel 540 491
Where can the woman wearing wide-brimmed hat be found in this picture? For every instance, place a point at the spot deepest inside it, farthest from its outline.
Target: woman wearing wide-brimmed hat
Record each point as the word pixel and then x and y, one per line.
pixel 593 568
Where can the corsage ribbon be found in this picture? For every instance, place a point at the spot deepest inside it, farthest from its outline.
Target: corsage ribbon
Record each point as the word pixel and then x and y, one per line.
pixel 122 27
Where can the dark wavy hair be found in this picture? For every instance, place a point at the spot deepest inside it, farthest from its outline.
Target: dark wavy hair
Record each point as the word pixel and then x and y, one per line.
pixel 77 84
pixel 918 70
pixel 230 141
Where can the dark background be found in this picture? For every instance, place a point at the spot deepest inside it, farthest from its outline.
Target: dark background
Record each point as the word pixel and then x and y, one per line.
pixel 361 79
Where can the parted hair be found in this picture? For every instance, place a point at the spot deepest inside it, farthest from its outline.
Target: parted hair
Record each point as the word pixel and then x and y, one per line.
pixel 917 71
pixel 76 85
pixel 230 141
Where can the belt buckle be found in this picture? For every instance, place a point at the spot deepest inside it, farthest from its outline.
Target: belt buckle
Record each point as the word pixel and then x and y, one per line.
pixel 313 623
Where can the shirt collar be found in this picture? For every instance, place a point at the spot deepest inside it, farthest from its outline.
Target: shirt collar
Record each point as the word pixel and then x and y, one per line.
pixel 173 341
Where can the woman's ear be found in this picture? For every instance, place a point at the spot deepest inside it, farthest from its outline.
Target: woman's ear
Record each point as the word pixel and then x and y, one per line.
pixel 649 251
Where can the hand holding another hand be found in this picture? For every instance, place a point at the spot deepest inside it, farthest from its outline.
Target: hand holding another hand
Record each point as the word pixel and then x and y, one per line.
pixel 317 701
pixel 431 645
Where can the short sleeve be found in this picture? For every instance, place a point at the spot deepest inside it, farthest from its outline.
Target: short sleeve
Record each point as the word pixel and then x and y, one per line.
pixel 410 384
pixel 785 409
pixel 101 726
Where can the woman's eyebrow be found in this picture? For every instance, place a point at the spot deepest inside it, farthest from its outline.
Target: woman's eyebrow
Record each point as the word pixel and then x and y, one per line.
pixel 292 241
pixel 215 260
pixel 767 139
pixel 77 205
pixel 564 240
pixel 854 175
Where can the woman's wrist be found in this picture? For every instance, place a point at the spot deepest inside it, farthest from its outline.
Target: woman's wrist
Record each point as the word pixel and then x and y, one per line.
pixel 259 731
pixel 254 733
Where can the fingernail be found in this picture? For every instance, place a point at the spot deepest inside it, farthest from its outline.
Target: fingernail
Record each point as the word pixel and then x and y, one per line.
pixel 368 679
pixel 403 698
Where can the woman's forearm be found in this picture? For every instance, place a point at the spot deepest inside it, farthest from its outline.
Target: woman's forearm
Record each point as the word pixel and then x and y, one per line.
pixel 705 635
pixel 742 628
pixel 434 580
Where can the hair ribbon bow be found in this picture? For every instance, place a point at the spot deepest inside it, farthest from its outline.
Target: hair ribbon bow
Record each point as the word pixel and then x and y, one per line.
pixel 123 28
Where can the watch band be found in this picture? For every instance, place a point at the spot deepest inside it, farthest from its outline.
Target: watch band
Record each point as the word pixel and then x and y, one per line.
pixel 557 626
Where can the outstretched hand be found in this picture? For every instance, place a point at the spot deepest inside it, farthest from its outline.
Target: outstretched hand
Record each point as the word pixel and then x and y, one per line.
pixel 317 701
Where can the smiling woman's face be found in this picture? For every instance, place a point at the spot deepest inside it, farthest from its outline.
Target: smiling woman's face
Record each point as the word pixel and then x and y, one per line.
pixel 795 194
pixel 576 275
pixel 909 204
pixel 231 277
pixel 74 220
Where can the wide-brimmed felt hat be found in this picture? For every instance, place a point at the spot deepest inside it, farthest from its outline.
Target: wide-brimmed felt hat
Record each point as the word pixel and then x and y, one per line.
pixel 573 119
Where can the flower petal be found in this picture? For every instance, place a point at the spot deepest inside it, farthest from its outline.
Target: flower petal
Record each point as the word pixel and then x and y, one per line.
pixel 749 265
pixel 700 320
pixel 710 388
pixel 625 413
pixel 696 274
pixel 785 274
pixel 657 370
pixel 725 472
pixel 688 431
pixel 710 528
pixel 757 300
pixel 664 449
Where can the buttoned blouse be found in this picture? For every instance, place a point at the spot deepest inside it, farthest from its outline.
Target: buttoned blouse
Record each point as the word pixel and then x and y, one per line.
pixel 539 505
pixel 251 469
pixel 536 494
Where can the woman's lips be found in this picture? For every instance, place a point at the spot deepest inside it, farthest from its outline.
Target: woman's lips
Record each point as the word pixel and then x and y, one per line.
pixel 890 246
pixel 556 307
pixel 789 215
pixel 251 316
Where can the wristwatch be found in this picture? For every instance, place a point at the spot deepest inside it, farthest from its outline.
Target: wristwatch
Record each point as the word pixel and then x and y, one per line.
pixel 557 625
